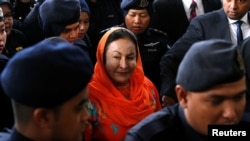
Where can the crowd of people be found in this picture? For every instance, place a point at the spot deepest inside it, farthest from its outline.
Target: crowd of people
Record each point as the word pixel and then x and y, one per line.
pixel 131 70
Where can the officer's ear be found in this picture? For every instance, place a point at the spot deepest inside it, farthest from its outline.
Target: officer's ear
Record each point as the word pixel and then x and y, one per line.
pixel 181 94
pixel 43 118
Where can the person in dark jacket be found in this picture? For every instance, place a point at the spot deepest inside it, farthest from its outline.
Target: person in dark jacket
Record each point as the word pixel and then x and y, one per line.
pixel 60 18
pixel 16 40
pixel 31 25
pixel 153 43
pixel 6 117
pixel 172 16
pixel 219 24
pixel 83 31
pixel 104 14
pixel 22 8
pixel 49 103
pixel 211 89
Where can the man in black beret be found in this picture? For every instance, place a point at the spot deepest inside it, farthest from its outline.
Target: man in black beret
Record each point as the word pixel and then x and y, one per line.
pixel 211 89
pixel 47 84
pixel 60 18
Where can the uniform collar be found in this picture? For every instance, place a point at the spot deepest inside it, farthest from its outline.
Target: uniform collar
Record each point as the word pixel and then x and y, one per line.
pixel 188 130
pixel 16 136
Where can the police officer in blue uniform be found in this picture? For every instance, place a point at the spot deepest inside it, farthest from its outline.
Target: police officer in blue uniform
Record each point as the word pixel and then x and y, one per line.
pixel 211 89
pixel 153 43
pixel 16 40
pixel 47 85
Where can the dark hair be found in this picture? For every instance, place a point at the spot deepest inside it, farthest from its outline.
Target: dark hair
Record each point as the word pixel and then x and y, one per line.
pixel 120 34
pixel 23 113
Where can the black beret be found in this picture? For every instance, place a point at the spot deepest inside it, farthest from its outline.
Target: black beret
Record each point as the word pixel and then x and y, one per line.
pixel 84 6
pixel 47 74
pixel 55 15
pixel 210 63
pixel 134 4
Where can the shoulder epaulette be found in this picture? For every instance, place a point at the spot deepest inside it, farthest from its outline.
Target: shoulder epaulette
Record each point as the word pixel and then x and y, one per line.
pixel 107 29
pixel 158 31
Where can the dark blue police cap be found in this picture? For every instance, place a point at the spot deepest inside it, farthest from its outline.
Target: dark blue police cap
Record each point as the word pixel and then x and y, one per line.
pixel 55 15
pixel 210 63
pixel 47 74
pixel 134 4
pixel 84 6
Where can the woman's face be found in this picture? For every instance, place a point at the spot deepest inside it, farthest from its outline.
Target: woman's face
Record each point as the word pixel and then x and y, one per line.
pixel 70 32
pixel 84 24
pixel 8 20
pixel 137 21
pixel 3 36
pixel 120 61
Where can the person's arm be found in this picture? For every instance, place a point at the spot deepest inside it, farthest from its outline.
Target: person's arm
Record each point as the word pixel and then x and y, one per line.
pixel 170 61
pixel 131 137
pixel 168 68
